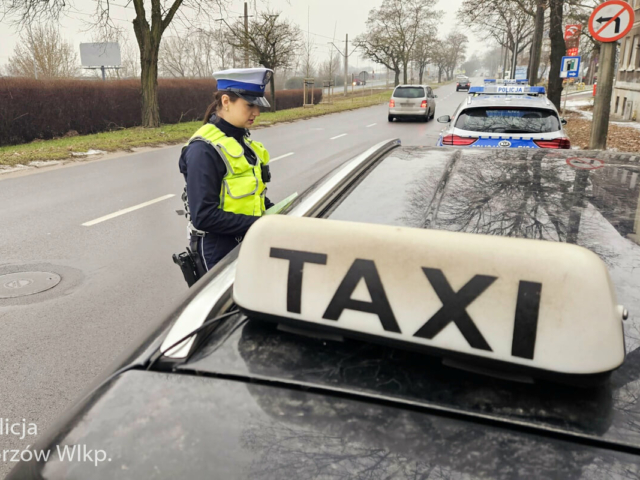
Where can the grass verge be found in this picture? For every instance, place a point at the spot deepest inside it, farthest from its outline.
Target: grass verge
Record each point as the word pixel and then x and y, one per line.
pixel 127 139
pixel 619 138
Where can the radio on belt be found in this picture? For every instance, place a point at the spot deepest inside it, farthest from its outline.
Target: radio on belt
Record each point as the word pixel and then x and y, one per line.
pixel 541 308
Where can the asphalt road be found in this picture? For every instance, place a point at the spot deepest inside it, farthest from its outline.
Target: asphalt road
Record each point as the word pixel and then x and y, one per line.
pixel 117 274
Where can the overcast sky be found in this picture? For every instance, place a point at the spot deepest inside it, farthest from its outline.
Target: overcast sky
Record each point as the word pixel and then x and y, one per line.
pixel 322 18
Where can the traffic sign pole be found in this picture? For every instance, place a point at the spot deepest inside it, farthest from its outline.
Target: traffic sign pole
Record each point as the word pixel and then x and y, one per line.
pixel 602 104
pixel 609 22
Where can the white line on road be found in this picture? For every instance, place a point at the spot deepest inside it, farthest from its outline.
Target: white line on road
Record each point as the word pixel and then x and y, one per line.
pixel 126 210
pixel 338 136
pixel 281 157
pixel 371 125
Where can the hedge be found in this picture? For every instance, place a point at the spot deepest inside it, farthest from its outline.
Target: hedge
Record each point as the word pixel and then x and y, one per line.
pixel 43 109
pixel 286 99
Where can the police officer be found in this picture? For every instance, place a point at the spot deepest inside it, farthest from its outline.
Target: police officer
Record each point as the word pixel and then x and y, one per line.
pixel 225 171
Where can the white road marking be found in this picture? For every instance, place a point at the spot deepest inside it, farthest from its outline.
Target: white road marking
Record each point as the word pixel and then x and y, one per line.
pixel 338 136
pixel 127 210
pixel 281 157
pixel 371 125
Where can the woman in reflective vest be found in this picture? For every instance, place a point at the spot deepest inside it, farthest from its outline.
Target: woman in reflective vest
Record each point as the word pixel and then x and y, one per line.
pixel 225 171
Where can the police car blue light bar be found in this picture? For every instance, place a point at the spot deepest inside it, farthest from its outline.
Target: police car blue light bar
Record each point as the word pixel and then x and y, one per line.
pixel 497 301
pixel 508 89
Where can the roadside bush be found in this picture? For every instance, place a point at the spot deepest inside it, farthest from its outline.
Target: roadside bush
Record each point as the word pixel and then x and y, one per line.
pixel 286 99
pixel 44 109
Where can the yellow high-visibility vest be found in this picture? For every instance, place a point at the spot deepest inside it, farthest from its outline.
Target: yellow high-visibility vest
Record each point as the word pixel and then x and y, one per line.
pixel 243 190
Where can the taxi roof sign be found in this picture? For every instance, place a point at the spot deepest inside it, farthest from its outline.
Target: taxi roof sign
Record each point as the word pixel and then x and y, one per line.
pixel 511 302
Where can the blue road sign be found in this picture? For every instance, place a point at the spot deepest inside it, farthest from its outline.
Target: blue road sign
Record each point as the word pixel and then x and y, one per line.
pixel 570 67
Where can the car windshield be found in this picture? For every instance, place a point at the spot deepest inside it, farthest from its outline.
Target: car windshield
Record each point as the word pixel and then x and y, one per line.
pixel 409 92
pixel 508 120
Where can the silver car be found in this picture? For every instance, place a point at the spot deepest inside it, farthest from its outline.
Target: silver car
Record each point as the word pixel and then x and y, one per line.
pixel 417 101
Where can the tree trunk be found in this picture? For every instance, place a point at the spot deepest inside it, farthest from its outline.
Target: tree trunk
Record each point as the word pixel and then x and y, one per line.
pixel 439 74
pixel 273 92
pixel 420 75
pixel 536 46
pixel 149 80
pixel 149 45
pixel 558 49
pixel 396 80
pixel 404 72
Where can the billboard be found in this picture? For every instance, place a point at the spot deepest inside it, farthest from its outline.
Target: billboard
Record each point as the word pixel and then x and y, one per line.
pixel 100 54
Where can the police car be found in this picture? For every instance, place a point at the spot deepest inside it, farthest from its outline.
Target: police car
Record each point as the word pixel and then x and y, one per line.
pixel 469 323
pixel 508 114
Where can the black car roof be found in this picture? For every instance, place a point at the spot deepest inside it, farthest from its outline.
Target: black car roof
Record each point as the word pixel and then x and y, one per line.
pixel 254 401
pixel 155 425
pixel 558 196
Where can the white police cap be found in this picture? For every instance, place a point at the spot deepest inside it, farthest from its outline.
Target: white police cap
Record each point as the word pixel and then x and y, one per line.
pixel 247 83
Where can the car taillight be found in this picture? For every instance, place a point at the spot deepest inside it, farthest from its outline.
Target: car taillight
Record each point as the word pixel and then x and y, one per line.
pixel 564 143
pixel 457 84
pixel 456 140
pixel 392 103
pixel 423 104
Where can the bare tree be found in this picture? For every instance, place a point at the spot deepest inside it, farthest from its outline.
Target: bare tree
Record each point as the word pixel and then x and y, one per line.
pixel 330 68
pixel 423 53
pixel 440 57
pixel 152 18
pixel 376 46
pixel 223 52
pixel 307 63
pixel 393 31
pixel 272 43
pixel 42 52
pixel 176 58
pixel 558 49
pixel 198 55
pixel 502 21
pixel 456 48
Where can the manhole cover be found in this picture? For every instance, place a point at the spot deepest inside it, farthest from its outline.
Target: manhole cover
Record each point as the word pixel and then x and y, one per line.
pixel 26 283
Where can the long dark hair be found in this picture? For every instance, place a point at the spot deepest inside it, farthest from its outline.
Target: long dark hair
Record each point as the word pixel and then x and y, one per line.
pixel 217 103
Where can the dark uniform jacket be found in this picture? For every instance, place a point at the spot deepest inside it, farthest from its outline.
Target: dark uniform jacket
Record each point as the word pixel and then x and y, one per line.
pixel 203 170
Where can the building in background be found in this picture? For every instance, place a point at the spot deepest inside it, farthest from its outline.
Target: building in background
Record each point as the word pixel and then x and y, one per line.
pixel 625 102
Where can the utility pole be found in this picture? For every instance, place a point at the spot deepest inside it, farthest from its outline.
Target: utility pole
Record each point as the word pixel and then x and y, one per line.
pixel 246 35
pixel 346 63
pixel 515 60
pixel 602 104
pixel 346 60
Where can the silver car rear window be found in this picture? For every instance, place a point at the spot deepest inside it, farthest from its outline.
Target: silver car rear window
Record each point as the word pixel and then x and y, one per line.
pixel 508 120
pixel 409 92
